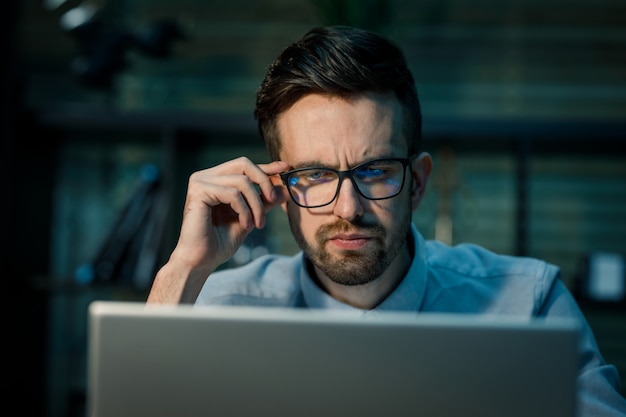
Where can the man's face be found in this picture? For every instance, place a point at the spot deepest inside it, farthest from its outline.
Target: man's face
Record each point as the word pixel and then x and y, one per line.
pixel 352 240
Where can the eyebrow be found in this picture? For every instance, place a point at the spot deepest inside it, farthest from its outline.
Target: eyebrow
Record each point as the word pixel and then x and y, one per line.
pixel 310 164
pixel 315 163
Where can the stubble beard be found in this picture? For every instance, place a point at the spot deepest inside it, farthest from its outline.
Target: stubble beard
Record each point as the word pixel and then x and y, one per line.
pixel 353 267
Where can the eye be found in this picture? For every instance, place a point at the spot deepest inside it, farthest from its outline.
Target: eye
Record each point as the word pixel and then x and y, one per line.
pixel 375 171
pixel 317 176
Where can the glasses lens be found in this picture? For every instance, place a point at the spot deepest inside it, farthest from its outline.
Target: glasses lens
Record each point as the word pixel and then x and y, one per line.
pixel 375 180
pixel 313 187
pixel 379 179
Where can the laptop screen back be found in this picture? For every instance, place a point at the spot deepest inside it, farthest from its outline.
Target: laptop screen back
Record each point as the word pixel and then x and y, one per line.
pixel 242 361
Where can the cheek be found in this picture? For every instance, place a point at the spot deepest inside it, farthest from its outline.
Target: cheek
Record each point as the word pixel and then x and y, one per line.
pixel 294 213
pixel 302 219
pixel 392 209
pixel 394 214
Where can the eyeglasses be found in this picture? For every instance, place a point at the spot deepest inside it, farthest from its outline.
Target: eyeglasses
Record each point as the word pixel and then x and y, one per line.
pixel 318 186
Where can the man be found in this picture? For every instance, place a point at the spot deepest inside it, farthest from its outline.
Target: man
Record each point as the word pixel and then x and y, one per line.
pixel 340 116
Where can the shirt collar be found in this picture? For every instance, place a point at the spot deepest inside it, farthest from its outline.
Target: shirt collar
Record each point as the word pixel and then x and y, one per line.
pixel 407 296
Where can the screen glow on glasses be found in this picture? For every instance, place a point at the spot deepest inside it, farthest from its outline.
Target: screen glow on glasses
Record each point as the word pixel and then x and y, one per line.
pixel 318 186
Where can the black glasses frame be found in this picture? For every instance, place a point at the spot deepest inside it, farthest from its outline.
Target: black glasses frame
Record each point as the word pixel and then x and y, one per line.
pixel 346 174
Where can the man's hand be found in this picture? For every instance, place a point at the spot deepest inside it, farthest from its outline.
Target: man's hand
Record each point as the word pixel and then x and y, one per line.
pixel 223 205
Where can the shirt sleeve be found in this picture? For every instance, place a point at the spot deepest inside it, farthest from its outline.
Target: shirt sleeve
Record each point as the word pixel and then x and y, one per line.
pixel 598 382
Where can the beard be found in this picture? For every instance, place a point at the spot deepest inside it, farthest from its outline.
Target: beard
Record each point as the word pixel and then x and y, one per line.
pixel 353 267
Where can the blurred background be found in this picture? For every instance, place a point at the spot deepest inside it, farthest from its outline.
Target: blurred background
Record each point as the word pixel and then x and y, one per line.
pixel 109 105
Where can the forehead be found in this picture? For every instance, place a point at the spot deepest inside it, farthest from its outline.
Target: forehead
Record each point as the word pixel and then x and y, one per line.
pixel 339 131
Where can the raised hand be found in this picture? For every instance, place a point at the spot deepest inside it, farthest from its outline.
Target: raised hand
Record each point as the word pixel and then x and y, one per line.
pixel 223 205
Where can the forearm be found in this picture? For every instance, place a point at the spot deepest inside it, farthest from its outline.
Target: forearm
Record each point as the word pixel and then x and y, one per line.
pixel 176 285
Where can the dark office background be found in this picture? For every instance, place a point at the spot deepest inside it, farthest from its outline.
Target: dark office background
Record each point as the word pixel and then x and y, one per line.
pixel 109 105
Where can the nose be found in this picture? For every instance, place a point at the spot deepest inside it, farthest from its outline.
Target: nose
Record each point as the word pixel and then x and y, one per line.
pixel 348 202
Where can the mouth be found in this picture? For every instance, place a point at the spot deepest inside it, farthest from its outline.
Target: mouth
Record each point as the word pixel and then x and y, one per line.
pixel 350 241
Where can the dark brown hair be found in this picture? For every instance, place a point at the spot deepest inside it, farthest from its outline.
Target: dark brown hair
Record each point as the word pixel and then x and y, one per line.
pixel 339 61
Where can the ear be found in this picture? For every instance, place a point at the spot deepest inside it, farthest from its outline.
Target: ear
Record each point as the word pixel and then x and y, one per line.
pixel 421 168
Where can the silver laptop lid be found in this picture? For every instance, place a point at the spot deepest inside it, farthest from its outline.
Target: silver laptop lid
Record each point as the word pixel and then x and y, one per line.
pixel 243 361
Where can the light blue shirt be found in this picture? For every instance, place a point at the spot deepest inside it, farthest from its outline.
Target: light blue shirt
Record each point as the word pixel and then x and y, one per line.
pixel 461 279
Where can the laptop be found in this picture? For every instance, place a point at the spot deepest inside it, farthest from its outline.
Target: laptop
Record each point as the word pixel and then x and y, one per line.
pixel 185 361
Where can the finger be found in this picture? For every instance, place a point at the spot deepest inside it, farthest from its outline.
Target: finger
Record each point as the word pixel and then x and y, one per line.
pixel 243 195
pixel 268 192
pixel 269 187
pixel 240 207
pixel 275 167
pixel 213 194
pixel 256 185
pixel 280 196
